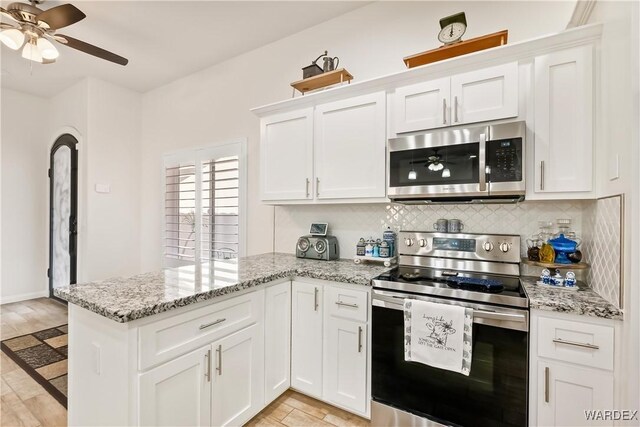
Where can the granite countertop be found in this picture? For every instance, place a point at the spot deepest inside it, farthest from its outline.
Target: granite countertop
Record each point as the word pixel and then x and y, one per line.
pixel 130 298
pixel 585 301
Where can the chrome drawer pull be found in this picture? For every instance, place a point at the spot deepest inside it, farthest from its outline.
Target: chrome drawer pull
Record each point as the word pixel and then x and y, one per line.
pixel 575 343
pixel 315 299
pixel 219 351
pixel 346 304
pixel 444 111
pixel 207 325
pixel 546 384
pixel 207 375
pixel 359 339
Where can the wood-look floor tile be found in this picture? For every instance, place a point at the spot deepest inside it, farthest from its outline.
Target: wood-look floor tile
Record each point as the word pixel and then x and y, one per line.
pixel 277 411
pixel 47 410
pixel 297 418
pixel 262 421
pixel 296 402
pixel 15 413
pixel 22 384
pixel 340 421
pixel 6 364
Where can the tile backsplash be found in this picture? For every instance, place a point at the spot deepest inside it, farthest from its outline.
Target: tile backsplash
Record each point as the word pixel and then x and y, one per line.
pixel 350 222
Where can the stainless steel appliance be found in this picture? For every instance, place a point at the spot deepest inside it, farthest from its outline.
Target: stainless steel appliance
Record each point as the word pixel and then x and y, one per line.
pixel 481 164
pixel 478 271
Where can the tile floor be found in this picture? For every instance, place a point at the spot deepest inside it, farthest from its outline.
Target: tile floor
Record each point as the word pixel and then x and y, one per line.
pixel 23 401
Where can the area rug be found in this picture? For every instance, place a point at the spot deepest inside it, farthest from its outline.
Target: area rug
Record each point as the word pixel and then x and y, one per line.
pixel 43 355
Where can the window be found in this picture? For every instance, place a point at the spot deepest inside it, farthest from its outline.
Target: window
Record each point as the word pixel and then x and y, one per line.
pixel 204 200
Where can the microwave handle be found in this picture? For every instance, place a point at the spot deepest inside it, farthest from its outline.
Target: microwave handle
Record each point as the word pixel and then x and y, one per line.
pixel 482 161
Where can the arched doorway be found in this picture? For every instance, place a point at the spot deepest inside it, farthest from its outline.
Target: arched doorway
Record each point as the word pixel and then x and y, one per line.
pixel 63 212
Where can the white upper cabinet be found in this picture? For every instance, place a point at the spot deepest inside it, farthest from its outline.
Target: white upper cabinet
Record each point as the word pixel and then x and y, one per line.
pixel 563 123
pixel 350 144
pixel 477 96
pixel 286 155
pixel 422 106
pixel 485 94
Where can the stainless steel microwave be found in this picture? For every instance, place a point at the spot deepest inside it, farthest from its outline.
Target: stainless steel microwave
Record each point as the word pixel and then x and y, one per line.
pixel 480 164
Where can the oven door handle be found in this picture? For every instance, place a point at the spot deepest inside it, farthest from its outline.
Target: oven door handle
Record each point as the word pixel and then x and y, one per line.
pixel 508 320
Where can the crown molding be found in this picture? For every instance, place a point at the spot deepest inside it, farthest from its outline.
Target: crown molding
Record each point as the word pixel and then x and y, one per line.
pixel 581 13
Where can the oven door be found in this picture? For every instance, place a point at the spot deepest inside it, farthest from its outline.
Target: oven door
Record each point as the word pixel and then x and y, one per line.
pixel 438 164
pixel 495 392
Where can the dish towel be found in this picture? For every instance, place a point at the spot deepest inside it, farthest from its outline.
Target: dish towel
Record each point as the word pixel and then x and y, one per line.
pixel 438 335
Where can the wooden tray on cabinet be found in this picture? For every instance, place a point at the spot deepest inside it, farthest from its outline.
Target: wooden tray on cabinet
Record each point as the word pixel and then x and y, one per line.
pixel 553 265
pixel 323 80
pixel 462 48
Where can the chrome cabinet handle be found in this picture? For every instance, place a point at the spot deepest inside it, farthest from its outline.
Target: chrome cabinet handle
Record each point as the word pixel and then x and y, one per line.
pixel 455 108
pixel 444 111
pixel 219 367
pixel 542 175
pixel 215 322
pixel 359 339
pixel 317 187
pixel 546 384
pixel 307 187
pixel 207 374
pixel 575 343
pixel 315 299
pixel 346 304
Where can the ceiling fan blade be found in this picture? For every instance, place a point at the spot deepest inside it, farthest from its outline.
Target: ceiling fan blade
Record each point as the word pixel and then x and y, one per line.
pixel 61 16
pixel 93 50
pixel 6 14
pixel 6 26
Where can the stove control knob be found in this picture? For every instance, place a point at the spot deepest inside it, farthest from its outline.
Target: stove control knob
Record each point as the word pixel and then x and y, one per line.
pixel 408 241
pixel 504 247
pixel 422 243
pixel 487 246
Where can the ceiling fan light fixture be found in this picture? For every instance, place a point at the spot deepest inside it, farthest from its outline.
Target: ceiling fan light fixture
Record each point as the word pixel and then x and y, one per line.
pixel 31 52
pixel 47 49
pixel 446 173
pixel 412 175
pixel 12 38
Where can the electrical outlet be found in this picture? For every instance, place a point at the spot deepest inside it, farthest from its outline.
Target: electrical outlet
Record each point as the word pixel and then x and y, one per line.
pixel 103 188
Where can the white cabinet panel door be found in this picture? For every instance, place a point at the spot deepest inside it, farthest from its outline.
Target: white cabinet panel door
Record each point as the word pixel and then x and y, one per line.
pixel 345 363
pixel 286 155
pixel 563 123
pixel 238 377
pixel 177 393
pixel 306 338
pixel 422 106
pixel 277 331
pixel 350 144
pixel 566 392
pixel 485 94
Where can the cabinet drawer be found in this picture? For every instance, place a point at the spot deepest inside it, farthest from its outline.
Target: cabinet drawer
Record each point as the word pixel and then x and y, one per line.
pixel 346 303
pixel 170 337
pixel 577 343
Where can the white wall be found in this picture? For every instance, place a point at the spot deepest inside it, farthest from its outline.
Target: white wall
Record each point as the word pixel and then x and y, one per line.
pixel 113 158
pixel 617 142
pixel 213 105
pixel 25 195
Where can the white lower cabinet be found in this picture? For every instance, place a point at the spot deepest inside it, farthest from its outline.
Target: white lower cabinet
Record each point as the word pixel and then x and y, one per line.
pixel 569 392
pixel 345 363
pixel 237 377
pixel 306 338
pixel 277 333
pixel 329 350
pixel 177 393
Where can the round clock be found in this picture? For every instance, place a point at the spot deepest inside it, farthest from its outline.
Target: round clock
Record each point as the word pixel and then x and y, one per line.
pixel 452 33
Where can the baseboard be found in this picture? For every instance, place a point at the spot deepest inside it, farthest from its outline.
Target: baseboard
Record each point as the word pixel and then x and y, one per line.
pixel 22 297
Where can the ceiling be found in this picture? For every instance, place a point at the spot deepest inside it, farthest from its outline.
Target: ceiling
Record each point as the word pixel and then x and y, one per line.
pixel 163 40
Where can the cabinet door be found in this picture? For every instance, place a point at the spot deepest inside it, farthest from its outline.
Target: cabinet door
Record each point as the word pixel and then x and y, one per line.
pixel 287 139
pixel 178 393
pixel 345 363
pixel 485 94
pixel 350 143
pixel 566 392
pixel 238 377
pixel 277 337
pixel 563 123
pixel 422 106
pixel 306 338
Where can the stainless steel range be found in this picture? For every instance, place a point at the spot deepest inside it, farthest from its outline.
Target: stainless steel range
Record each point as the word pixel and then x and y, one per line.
pixel 478 271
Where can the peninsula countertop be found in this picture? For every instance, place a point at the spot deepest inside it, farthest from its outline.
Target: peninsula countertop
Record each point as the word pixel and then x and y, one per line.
pixel 130 298
pixel 584 301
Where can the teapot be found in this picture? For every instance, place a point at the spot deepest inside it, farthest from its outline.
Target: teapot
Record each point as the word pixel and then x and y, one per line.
pixel 330 64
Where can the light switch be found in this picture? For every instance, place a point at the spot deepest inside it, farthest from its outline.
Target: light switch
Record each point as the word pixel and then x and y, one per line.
pixel 103 188
pixel 614 167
